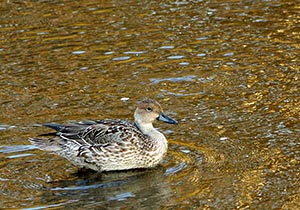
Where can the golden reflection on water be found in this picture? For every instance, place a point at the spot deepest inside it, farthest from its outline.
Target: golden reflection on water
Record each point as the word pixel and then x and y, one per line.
pixel 228 71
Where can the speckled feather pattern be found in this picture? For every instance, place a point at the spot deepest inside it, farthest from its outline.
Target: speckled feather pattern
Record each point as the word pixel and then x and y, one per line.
pixel 106 145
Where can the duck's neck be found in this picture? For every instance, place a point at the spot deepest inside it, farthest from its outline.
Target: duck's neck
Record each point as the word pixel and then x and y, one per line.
pixel 148 129
pixel 159 141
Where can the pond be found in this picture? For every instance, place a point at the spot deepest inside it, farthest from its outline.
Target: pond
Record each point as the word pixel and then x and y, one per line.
pixel 228 71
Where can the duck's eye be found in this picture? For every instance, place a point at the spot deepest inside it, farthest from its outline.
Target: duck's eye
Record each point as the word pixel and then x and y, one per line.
pixel 149 109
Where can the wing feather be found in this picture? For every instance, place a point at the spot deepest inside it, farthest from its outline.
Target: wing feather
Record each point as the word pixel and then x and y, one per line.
pixel 101 132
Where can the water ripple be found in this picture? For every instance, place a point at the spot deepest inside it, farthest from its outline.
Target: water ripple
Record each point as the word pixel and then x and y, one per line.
pixel 177 168
pixel 173 57
pixel 228 54
pixel 5 127
pixel 52 206
pixel 93 186
pixel 167 47
pixel 174 79
pixel 16 148
pixel 78 52
pixel 121 58
pixel 201 55
pixel 134 52
pixel 122 197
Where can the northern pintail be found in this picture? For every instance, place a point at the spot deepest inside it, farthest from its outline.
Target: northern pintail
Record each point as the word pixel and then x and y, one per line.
pixel 107 145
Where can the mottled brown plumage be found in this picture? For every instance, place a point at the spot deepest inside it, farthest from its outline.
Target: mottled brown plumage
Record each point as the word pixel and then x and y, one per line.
pixel 106 145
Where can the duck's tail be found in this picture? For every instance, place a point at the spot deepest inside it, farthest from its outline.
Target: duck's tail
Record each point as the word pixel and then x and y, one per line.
pixel 53 144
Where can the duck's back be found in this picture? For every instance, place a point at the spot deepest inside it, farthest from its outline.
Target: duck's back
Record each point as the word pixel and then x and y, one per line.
pixel 98 132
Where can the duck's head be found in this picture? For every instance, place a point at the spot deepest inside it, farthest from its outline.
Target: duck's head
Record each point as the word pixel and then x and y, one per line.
pixel 149 110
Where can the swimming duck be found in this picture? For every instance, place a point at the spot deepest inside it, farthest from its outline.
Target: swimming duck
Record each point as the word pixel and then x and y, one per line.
pixel 108 145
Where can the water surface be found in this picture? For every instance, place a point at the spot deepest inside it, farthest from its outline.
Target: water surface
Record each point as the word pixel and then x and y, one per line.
pixel 227 71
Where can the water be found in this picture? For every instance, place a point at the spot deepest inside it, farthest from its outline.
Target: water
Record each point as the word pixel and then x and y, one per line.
pixel 227 71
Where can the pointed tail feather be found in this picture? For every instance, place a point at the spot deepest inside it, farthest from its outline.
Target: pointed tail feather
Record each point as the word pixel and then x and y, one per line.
pixel 72 128
pixel 46 144
pixel 57 127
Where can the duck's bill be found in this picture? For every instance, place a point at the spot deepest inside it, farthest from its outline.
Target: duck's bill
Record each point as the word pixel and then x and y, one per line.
pixel 163 117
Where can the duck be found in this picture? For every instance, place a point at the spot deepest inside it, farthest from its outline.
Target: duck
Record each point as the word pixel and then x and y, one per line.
pixel 111 144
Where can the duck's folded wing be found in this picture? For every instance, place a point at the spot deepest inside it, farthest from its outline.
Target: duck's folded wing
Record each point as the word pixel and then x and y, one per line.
pixel 108 133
